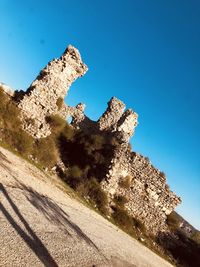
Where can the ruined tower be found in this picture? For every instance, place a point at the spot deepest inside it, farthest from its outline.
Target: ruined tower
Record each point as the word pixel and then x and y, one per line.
pixel 46 94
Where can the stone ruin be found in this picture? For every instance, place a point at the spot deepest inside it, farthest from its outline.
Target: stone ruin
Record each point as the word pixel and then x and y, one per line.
pixel 45 96
pixel 129 174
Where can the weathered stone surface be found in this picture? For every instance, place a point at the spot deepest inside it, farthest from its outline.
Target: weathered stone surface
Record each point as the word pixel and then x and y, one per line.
pixel 116 120
pixel 149 197
pixel 112 115
pixel 50 86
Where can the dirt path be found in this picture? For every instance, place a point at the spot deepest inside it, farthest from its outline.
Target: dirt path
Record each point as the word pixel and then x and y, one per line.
pixel 40 225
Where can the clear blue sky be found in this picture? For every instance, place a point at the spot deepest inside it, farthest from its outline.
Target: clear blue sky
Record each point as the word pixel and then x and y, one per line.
pixel 147 53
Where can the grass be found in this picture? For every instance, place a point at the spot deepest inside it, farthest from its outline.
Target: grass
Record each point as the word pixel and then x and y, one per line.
pixel 11 131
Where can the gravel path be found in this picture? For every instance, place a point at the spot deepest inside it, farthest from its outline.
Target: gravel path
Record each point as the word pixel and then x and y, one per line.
pixel 40 225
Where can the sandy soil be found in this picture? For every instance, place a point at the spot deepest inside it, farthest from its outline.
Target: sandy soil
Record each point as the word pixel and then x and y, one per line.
pixel 40 225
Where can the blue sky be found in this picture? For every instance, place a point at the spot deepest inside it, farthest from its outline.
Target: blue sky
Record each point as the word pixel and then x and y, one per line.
pixel 146 53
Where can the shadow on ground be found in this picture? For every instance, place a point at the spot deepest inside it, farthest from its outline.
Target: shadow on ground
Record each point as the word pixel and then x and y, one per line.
pixel 54 213
pixel 47 207
pixel 31 239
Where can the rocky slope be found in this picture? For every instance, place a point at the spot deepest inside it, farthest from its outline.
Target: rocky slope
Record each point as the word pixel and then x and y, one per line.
pixel 42 225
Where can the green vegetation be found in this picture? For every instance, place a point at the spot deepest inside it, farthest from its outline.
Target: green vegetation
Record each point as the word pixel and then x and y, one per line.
pixel 44 151
pixel 120 200
pixel 57 123
pixel 123 219
pixel 125 182
pixel 11 132
pixel 196 237
pixel 59 103
pixel 173 221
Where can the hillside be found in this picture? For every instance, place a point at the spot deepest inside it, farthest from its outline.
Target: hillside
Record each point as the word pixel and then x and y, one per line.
pixel 42 224
pixel 82 182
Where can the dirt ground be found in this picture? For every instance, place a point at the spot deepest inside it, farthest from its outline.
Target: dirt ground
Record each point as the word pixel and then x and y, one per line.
pixel 41 225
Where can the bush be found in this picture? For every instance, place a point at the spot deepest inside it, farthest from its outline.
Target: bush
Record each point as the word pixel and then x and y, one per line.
pixel 75 172
pixel 97 141
pixel 120 200
pixel 139 225
pixel 122 218
pixel 4 98
pixel 57 123
pixel 68 132
pixel 125 182
pixel 97 195
pixel 9 113
pixel 74 176
pixel 45 151
pixel 196 237
pixel 59 103
pixel 173 221
pixel 114 142
pixel 10 124
pixel 92 142
pixel 23 142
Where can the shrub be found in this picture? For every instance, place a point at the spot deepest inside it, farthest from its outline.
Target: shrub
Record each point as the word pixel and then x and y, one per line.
pixel 122 218
pixel 45 151
pixel 97 195
pixel 12 133
pixel 139 225
pixel 23 142
pixel 97 141
pixel 196 236
pixel 114 142
pixel 125 182
pixel 57 123
pixel 59 103
pixel 3 97
pixel 173 221
pixel 92 142
pixel 75 172
pixel 68 132
pixel 120 200
pixel 74 176
pixel 9 113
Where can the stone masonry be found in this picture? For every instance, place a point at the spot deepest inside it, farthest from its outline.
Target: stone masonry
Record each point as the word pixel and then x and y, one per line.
pixel 129 174
pixel 50 87
pixel 149 198
pixel 116 120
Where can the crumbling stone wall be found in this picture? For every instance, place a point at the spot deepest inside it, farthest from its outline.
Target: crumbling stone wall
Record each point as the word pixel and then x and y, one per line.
pixel 51 85
pixel 149 197
pixel 116 120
